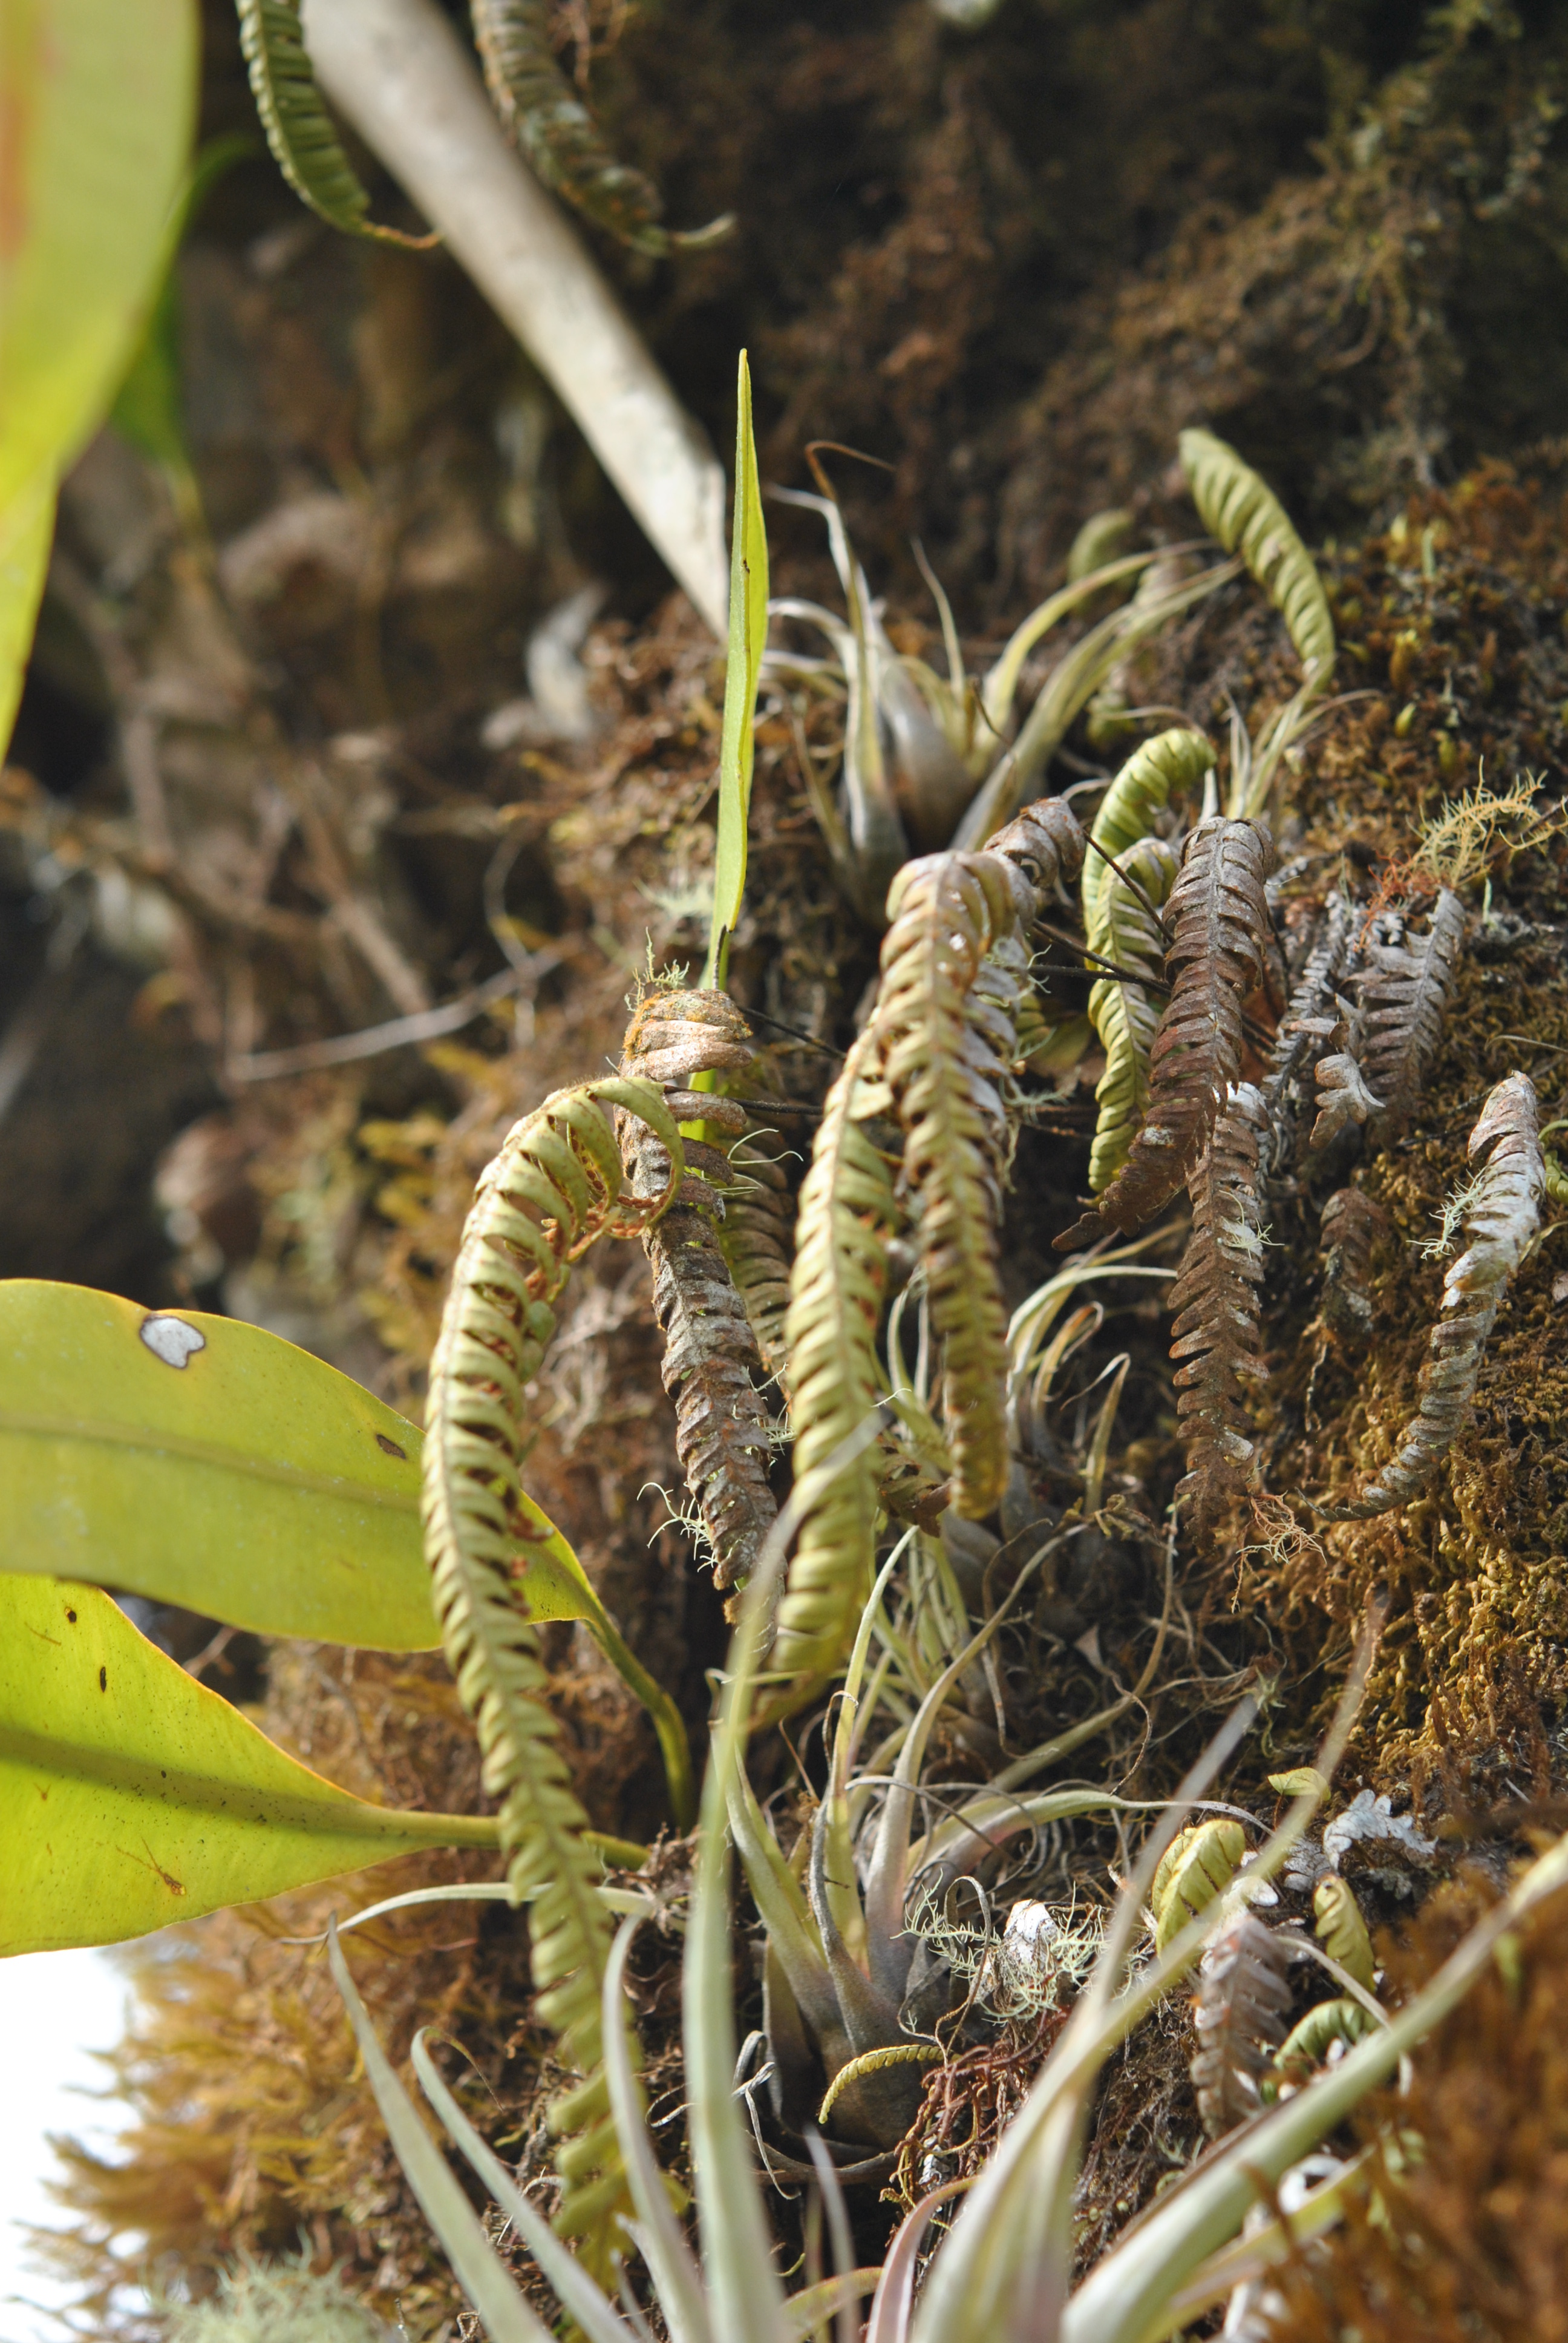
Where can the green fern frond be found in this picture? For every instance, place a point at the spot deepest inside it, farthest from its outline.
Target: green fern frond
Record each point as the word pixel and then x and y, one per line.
pixel 1126 1017
pixel 1247 517
pixel 305 146
pixel 846 1218
pixel 1342 1931
pixel 1199 1864
pixel 554 1187
pixel 558 135
pixel 946 911
pixel 1172 762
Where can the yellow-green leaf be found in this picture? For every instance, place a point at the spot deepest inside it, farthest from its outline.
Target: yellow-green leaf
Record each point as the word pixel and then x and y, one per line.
pixel 747 638
pixel 27 533
pixel 98 98
pixel 130 1796
pixel 253 1482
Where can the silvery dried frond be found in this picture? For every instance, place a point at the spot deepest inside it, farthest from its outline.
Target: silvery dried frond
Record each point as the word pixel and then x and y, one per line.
pixel 1502 1214
pixel 1403 990
pixel 1242 1997
pixel 1343 1097
pixel 1306 1027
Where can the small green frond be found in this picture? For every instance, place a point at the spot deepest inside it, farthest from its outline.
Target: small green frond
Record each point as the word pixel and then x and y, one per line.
pixel 305 146
pixel 1307 2044
pixel 554 1187
pixel 1103 539
pixel 847 1217
pixel 1342 1931
pixel 559 136
pixel 1171 763
pixel 1198 1864
pixel 1127 930
pixel 1246 516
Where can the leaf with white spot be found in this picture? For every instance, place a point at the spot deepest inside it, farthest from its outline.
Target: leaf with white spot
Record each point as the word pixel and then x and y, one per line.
pixel 254 1483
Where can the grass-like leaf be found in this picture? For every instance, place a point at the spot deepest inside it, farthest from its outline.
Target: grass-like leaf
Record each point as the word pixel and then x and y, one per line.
pixel 747 638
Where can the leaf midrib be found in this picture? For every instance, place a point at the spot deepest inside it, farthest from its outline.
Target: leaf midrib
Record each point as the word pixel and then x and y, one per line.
pixel 19 1426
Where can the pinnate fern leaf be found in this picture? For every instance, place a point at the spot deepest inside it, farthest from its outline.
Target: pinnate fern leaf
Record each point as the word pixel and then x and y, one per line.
pixel 1219 918
pixel 1502 1214
pixel 846 1216
pixel 1246 516
pixel 305 146
pixel 1126 930
pixel 558 134
pixel 554 1187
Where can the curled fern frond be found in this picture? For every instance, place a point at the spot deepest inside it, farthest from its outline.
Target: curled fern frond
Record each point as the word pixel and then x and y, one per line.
pixel 721 1433
pixel 1218 916
pixel 558 135
pixel 1343 1098
pixel 756 1237
pixel 1242 1995
pixel 305 146
pixel 1403 992
pixel 554 1187
pixel 1342 1931
pixel 1502 1214
pixel 1215 1301
pixel 1309 2041
pixel 1126 930
pixel 1247 517
pixel 1171 763
pixel 1199 1862
pixel 945 1038
pixel 1351 1227
pixel 847 1217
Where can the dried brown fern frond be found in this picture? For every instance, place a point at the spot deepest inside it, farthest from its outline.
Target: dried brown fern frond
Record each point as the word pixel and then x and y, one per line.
pixel 945 1036
pixel 1343 1097
pixel 1403 992
pixel 1215 1303
pixel 721 1428
pixel 1219 918
pixel 1501 1212
pixel 1287 1085
pixel 1352 1228
pixel 1242 1997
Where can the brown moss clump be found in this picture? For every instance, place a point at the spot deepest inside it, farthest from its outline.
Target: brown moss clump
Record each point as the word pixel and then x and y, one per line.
pixel 1462 2234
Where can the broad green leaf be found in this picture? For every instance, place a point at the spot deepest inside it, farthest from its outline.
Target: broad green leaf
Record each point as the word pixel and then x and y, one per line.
pixel 27 533
pixel 98 98
pixel 253 1482
pixel 748 638
pixel 130 1796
